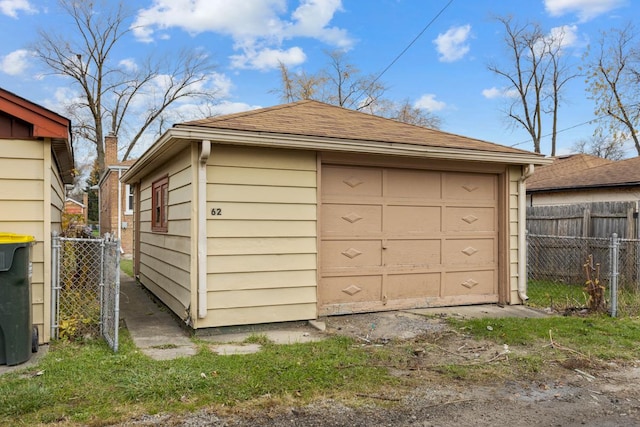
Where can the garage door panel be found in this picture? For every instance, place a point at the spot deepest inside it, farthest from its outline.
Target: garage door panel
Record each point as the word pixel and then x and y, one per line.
pixel 469 186
pixel 405 286
pixel 412 253
pixel 351 289
pixel 351 182
pixel 469 219
pixel 413 184
pixel 412 220
pixel 393 238
pixel 351 220
pixel 351 254
pixel 468 252
pixel 470 283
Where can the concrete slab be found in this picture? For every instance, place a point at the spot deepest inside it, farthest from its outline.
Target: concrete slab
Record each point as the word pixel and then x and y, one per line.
pixel 154 330
pixel 29 364
pixel 231 349
pixel 480 311
pixel 276 336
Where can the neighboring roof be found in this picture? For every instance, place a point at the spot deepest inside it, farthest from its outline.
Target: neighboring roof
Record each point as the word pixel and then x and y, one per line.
pixel 121 166
pixel 46 124
pixel 72 200
pixel 582 171
pixel 320 126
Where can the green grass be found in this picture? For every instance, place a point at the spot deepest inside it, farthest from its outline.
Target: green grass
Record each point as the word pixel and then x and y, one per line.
pixel 601 337
pixel 557 295
pixel 88 384
pixel 126 265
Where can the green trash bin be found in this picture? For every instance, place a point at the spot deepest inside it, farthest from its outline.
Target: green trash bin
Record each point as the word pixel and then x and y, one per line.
pixel 17 333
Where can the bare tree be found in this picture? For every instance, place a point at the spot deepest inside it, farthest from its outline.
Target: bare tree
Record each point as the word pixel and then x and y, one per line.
pixel 536 73
pixel 342 83
pixel 600 146
pixel 86 54
pixel 612 78
pixel 559 75
pixel 405 112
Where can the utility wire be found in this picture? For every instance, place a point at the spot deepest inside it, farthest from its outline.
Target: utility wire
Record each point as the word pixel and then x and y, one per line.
pixel 560 131
pixel 410 44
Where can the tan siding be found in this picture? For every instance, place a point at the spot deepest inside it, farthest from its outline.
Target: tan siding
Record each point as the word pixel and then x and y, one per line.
pixel 247 263
pixel 234 228
pixel 267 314
pixel 261 280
pixel 21 190
pixel 262 246
pixel 22 211
pixel 261 297
pixel 165 258
pixel 239 176
pixel 22 169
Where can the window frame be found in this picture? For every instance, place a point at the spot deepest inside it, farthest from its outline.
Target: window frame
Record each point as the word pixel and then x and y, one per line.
pixel 128 199
pixel 160 205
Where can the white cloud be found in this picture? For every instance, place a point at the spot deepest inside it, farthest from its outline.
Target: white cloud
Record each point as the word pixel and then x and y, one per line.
pixel 494 93
pixel 428 102
pixel 228 107
pixel 585 9
pixel 266 59
pixel 254 25
pixel 16 62
pixel 564 36
pixel 452 45
pixel 12 7
pixel 128 64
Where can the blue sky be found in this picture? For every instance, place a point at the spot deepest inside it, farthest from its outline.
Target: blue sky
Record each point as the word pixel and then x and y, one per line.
pixel 444 71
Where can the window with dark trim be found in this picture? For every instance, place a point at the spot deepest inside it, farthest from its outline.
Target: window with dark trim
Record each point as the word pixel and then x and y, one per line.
pixel 129 194
pixel 160 205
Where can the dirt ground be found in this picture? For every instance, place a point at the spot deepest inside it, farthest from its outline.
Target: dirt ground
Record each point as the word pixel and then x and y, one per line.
pixel 570 392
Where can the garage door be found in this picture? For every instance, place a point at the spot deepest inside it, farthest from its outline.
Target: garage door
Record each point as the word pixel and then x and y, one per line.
pixel 403 238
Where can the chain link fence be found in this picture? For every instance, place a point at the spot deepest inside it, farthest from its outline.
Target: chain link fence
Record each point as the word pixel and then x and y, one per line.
pixel 85 289
pixel 579 273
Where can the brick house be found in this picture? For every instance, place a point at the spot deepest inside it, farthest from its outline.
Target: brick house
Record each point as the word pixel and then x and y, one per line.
pixel 116 198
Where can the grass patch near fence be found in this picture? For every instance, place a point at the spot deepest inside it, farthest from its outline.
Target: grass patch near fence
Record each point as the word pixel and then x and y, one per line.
pixel 88 384
pixel 598 336
pixel 556 295
pixel 126 265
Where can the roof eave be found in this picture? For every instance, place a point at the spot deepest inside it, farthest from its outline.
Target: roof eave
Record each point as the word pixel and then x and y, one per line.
pixel 583 187
pixel 173 139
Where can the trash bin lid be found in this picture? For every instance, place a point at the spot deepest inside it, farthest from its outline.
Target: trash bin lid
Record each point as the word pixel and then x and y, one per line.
pixel 15 238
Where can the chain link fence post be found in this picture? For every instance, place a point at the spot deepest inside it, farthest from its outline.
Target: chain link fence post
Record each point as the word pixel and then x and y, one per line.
pixel 55 284
pixel 614 250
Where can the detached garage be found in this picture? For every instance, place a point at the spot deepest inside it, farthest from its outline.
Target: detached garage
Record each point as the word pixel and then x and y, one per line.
pixel 306 209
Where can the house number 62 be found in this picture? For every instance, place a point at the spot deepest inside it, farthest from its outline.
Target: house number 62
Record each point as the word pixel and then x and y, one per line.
pixel 216 212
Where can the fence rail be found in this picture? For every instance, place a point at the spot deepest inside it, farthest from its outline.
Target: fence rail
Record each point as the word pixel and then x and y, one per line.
pixel 565 273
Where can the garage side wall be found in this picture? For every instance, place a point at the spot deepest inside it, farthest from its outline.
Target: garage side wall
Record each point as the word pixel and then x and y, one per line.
pixel 261 236
pixel 22 208
pixel 165 257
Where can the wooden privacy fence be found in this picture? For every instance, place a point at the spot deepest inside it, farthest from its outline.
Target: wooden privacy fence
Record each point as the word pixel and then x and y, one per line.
pixel 598 219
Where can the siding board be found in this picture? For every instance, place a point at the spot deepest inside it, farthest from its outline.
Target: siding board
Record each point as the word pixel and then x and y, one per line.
pixel 261 263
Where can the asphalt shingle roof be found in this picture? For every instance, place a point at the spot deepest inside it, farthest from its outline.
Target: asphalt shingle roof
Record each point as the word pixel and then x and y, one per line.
pixel 584 171
pixel 317 119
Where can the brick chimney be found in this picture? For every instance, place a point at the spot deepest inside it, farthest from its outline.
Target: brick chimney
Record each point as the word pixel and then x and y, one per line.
pixel 110 150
